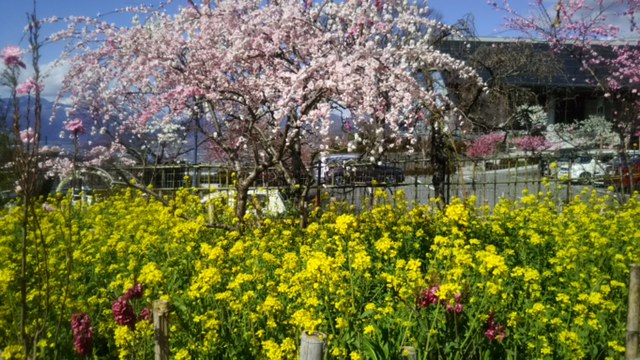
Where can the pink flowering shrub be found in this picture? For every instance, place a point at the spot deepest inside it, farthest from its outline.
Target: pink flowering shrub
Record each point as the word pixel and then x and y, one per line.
pixel 484 146
pixel 532 144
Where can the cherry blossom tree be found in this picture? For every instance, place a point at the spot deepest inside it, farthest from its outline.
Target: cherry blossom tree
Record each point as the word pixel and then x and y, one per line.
pixel 603 37
pixel 261 80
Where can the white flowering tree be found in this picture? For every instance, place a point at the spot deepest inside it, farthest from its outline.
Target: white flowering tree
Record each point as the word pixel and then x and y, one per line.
pixel 261 80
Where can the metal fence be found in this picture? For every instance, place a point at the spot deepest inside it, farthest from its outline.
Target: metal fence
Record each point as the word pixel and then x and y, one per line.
pixel 356 183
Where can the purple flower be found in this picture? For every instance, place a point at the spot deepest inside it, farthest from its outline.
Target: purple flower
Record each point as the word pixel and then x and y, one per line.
pixel 12 55
pixel 123 312
pixel 82 333
pixel 134 292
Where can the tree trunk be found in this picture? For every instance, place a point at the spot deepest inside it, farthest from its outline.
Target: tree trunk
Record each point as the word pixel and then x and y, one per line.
pixel 242 196
pixel 439 161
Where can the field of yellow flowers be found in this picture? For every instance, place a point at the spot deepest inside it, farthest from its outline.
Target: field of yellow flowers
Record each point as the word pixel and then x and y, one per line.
pixel 527 279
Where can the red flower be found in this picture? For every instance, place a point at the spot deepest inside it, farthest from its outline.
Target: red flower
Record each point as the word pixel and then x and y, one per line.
pixel 82 333
pixel 123 312
pixel 429 297
pixel 134 292
pixel 457 308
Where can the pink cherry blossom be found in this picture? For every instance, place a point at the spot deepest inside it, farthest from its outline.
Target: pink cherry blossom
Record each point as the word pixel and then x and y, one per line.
pixel 28 86
pixel 75 126
pixel 12 55
pixel 256 77
pixel 28 136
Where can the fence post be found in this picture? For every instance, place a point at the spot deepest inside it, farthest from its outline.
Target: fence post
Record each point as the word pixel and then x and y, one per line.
pixel 408 353
pixel 161 329
pixel 633 313
pixel 210 211
pixel 312 346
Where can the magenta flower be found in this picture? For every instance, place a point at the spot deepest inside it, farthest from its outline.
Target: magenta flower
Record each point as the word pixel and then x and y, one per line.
pixel 455 309
pixel 82 333
pixel 458 307
pixel 75 126
pixel 429 297
pixel 123 312
pixel 134 292
pixel 12 55
pixel 29 86
pixel 145 315
pixel 493 332
pixel 28 136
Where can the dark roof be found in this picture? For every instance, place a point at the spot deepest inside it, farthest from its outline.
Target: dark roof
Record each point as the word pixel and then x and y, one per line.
pixel 570 73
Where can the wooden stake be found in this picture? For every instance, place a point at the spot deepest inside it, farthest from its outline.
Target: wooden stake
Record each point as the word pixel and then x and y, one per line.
pixel 161 329
pixel 312 346
pixel 633 312
pixel 408 353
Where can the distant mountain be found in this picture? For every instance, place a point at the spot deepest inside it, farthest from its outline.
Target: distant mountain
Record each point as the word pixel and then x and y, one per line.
pixel 50 132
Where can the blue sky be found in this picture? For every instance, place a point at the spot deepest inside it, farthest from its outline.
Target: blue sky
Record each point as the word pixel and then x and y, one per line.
pixel 13 19
pixel 13 14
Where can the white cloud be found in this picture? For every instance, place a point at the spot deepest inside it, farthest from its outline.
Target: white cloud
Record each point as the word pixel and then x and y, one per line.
pixel 52 74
